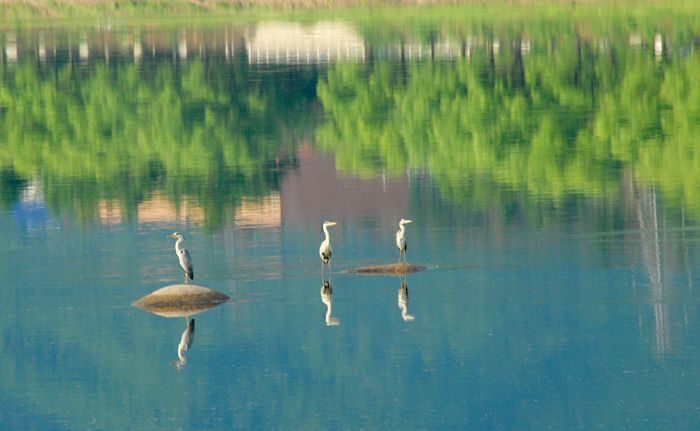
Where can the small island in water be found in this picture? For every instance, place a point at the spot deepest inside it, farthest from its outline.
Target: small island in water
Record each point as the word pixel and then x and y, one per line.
pixel 388 269
pixel 180 300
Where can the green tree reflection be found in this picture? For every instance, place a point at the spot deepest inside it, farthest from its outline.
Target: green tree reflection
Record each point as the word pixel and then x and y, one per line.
pixel 569 116
pixel 202 131
pixel 558 121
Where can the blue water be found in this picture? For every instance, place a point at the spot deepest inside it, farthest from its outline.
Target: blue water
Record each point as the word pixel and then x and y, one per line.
pixel 537 308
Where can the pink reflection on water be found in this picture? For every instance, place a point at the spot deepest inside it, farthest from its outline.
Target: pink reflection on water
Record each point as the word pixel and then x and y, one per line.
pixel 316 192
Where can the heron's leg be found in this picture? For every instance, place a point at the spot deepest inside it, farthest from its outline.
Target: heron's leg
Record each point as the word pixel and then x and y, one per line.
pixel 185 278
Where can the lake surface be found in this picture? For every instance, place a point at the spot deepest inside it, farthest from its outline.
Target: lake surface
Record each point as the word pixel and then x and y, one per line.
pixel 550 168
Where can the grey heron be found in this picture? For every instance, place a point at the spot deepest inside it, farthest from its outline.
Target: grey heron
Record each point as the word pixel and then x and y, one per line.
pixel 401 238
pixel 183 255
pixel 325 249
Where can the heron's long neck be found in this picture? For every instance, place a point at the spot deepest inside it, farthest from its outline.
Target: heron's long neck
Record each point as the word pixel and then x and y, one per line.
pixel 325 230
pixel 179 244
pixel 402 227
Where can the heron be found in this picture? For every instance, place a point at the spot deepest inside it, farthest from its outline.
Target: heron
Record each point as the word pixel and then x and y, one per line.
pixel 401 238
pixel 186 341
pixel 325 249
pixel 183 255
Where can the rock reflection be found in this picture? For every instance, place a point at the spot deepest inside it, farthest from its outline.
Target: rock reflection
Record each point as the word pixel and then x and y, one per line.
pixel 181 300
pixel 403 301
pixel 327 299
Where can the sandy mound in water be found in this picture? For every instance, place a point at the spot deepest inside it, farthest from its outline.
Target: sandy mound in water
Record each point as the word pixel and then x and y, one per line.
pixel 180 300
pixel 389 269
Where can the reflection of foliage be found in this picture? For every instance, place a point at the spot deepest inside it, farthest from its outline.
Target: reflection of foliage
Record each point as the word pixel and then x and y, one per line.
pixel 10 187
pixel 557 121
pixel 117 132
pixel 541 21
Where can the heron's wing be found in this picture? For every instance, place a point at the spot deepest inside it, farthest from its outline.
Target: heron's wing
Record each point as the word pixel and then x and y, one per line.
pixel 325 250
pixel 401 242
pixel 186 262
pixel 185 258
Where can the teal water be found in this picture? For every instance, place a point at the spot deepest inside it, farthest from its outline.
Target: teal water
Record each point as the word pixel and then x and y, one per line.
pixel 550 176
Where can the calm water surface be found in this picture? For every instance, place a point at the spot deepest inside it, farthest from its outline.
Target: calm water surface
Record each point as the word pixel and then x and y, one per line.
pixel 550 176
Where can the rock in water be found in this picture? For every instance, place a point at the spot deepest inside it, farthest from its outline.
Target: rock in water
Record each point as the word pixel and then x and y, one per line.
pixel 390 269
pixel 180 300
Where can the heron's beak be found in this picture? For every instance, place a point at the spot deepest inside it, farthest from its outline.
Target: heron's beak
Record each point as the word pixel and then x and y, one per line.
pixel 408 221
pixel 332 223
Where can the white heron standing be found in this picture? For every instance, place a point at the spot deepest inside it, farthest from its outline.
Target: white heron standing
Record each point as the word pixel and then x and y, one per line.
pixel 401 238
pixel 325 249
pixel 183 255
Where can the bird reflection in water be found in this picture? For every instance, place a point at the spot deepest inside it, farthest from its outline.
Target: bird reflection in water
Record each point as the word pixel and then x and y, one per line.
pixel 327 298
pixel 403 301
pixel 181 300
pixel 186 340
